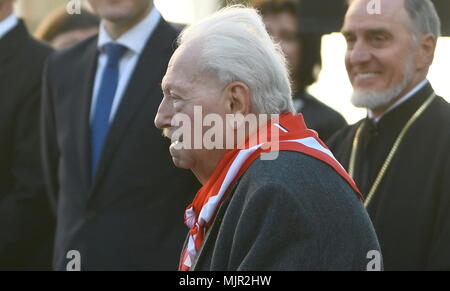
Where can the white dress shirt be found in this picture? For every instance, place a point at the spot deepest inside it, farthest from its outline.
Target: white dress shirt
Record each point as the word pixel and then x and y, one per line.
pixel 135 40
pixel 7 24
pixel 399 102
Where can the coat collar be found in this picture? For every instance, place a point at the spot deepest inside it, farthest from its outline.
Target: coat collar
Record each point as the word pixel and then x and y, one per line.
pixel 13 41
pixel 402 100
pixel 8 24
pixel 396 118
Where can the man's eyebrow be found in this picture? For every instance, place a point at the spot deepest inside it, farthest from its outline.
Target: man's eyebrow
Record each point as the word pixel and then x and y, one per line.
pixel 165 85
pixel 380 30
pixel 347 32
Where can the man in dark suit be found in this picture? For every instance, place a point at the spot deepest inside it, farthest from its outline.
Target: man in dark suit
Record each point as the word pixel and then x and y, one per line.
pixel 259 208
pixel 26 222
pixel 117 198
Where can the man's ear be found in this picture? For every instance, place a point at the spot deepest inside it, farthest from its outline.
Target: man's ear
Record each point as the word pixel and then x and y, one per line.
pixel 426 51
pixel 238 98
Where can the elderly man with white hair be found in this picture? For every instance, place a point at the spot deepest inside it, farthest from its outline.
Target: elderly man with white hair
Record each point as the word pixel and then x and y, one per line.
pixel 276 203
pixel 399 155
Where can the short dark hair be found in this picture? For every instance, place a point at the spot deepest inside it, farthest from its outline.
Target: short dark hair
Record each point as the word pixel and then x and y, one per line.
pixel 310 44
pixel 59 22
pixel 266 7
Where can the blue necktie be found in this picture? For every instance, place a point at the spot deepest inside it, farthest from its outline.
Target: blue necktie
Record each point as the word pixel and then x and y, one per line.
pixel 105 98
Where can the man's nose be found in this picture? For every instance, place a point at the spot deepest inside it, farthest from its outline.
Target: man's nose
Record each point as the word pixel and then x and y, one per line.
pixel 164 116
pixel 360 53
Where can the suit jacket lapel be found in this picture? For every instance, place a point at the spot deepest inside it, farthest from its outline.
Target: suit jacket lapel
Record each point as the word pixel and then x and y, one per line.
pixel 144 78
pixel 88 66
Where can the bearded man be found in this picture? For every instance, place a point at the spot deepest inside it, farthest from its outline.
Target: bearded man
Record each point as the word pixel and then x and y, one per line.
pixel 399 155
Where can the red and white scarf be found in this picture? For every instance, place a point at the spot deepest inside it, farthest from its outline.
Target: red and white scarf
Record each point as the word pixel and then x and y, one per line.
pixel 293 135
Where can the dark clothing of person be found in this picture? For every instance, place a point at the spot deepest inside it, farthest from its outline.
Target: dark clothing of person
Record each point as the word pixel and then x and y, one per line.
pixel 26 221
pixel 292 213
pixel 319 116
pixel 130 215
pixel 410 209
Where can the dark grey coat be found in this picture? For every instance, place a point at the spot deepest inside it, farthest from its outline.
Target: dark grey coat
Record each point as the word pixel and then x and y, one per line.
pixel 293 213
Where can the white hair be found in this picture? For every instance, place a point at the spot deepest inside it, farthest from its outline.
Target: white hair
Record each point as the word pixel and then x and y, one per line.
pixel 235 45
pixel 424 17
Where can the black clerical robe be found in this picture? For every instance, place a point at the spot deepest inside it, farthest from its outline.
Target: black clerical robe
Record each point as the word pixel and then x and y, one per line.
pixel 411 208
pixel 318 116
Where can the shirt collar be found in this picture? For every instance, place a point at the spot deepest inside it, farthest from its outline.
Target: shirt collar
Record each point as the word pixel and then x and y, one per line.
pixel 136 38
pixel 402 100
pixel 8 24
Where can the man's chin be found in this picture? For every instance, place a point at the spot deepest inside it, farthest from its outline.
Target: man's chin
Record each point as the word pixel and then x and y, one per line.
pixel 177 163
pixel 182 163
pixel 117 13
pixel 372 99
pixel 182 158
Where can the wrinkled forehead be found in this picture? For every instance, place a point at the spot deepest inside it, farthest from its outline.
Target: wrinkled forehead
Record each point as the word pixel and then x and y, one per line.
pixel 184 59
pixel 183 66
pixel 368 15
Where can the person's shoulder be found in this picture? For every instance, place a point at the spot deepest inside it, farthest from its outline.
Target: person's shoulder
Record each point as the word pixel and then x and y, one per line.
pixel 167 34
pixel 39 48
pixel 281 167
pixel 434 125
pixel 178 27
pixel 28 49
pixel 297 176
pixel 441 110
pixel 305 188
pixel 344 134
pixel 34 61
pixel 73 53
pixel 324 110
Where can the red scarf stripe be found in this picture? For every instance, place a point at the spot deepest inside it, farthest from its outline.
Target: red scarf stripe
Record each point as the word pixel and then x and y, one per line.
pixel 200 218
pixel 298 147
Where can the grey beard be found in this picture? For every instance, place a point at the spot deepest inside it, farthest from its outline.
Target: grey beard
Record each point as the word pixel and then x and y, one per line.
pixel 375 100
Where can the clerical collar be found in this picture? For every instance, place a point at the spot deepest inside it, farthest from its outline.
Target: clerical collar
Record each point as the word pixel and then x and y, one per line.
pixel 402 100
pixel 8 24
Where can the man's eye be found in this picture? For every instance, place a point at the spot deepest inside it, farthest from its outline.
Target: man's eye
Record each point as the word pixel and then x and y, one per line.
pixel 175 97
pixel 379 39
pixel 350 42
pixel 350 39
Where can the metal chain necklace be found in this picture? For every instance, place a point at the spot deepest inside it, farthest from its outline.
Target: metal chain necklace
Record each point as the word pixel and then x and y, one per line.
pixel 391 154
